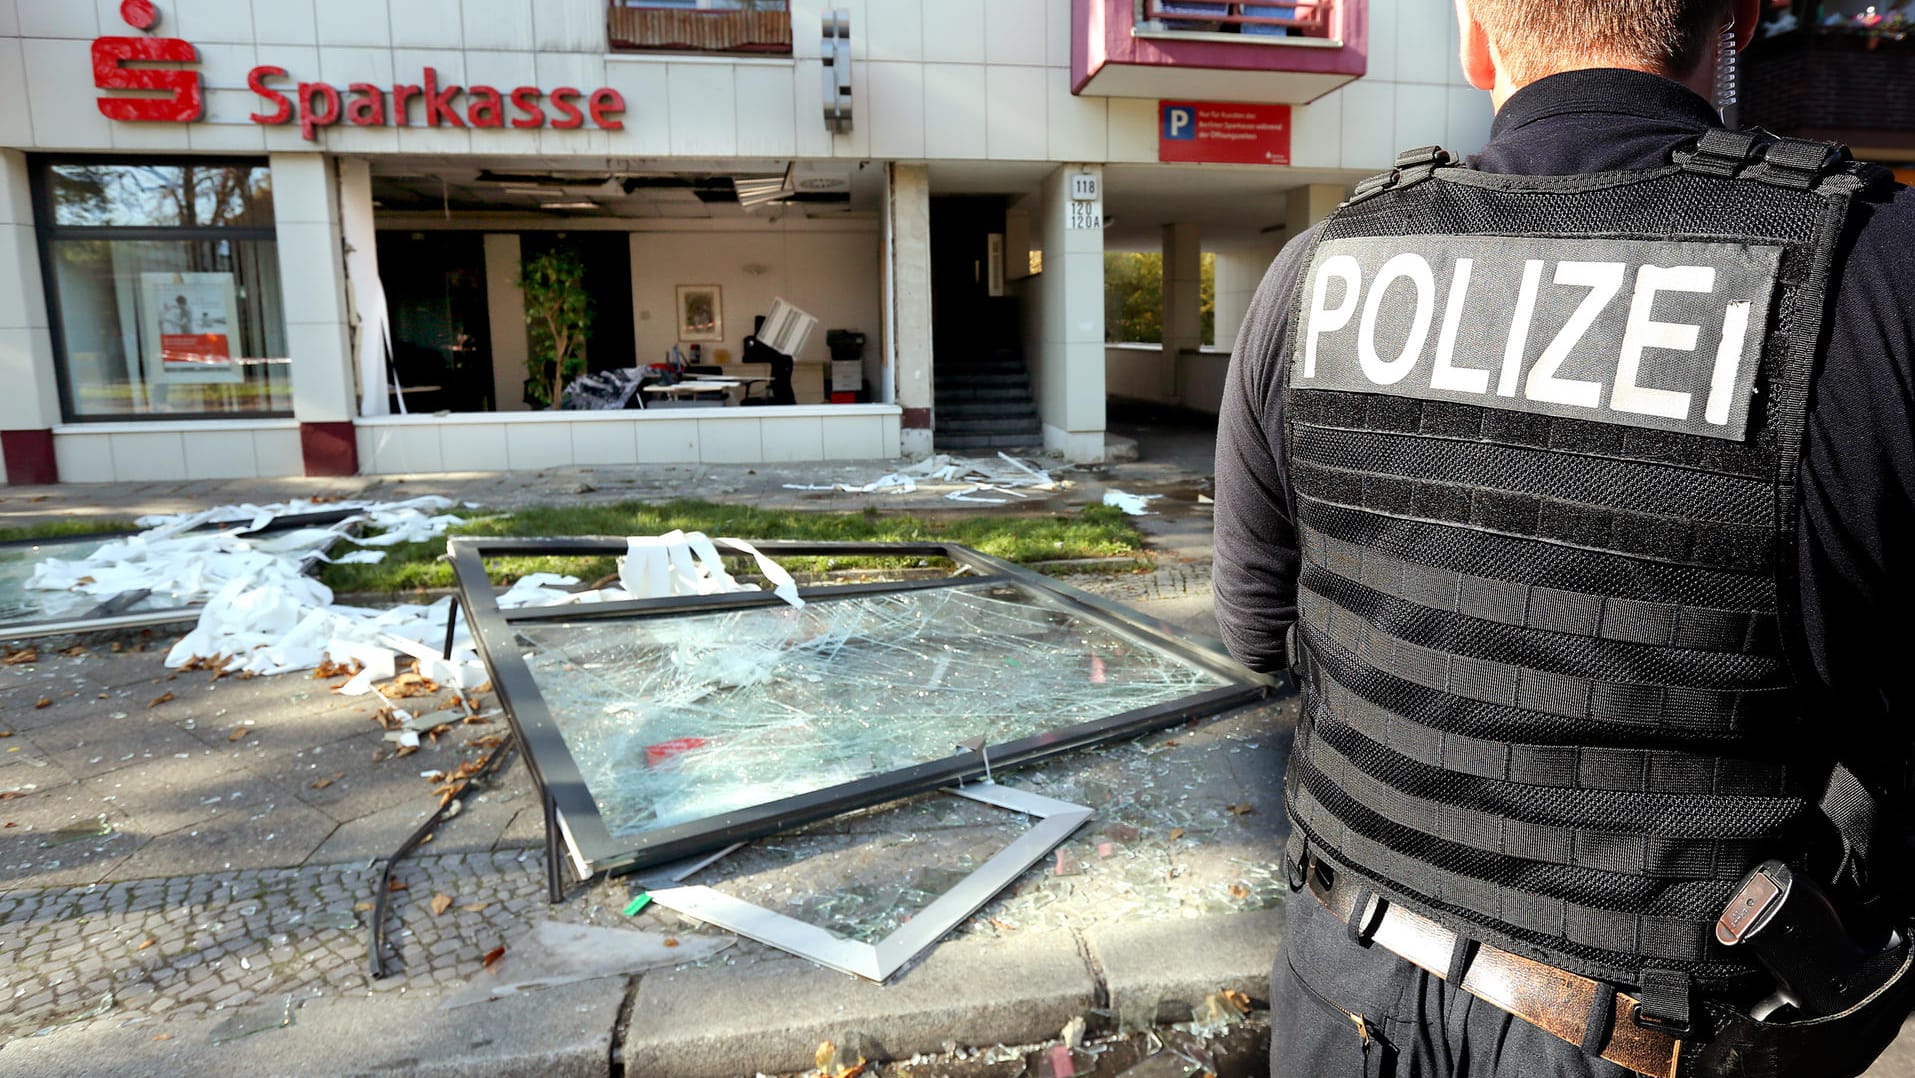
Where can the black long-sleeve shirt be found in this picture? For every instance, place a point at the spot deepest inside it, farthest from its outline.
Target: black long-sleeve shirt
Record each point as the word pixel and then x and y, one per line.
pixel 1858 477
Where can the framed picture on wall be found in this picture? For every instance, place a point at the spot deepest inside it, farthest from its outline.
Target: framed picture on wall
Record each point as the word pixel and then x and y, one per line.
pixel 701 313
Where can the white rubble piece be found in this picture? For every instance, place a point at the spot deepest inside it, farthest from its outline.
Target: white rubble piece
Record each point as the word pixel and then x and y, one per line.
pixel 261 609
pixel 263 615
pixel 655 566
pixel 1131 504
pixel 971 478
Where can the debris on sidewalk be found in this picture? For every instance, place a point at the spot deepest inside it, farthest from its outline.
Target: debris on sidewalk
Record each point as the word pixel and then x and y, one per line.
pixel 1130 504
pixel 1006 475
pixel 257 1019
pixel 552 953
pixel 102 1006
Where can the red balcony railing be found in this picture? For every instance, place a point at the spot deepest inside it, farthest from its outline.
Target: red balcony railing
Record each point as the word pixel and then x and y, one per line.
pixel 1305 18
pixel 1287 52
pixel 757 26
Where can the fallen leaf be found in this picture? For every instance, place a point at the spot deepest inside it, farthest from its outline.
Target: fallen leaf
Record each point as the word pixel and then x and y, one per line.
pixel 405 750
pixel 6 733
pixel 162 1036
pixel 441 902
pixel 75 651
pixel 483 689
pixel 44 701
pixel 362 907
pixel 475 907
pixel 150 941
pixel 24 655
pixel 397 885
pixel 1238 890
pixel 492 957
pixel 238 733
pixel 158 700
pixel 1176 833
pixel 1242 809
pixel 319 784
pixel 1240 999
pixel 671 941
pixel 476 720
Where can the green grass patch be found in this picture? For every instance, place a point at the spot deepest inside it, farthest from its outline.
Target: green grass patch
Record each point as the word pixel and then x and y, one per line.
pixel 58 529
pixel 1095 532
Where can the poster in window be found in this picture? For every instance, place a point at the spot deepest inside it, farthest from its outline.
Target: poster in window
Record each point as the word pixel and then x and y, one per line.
pixel 701 313
pixel 189 327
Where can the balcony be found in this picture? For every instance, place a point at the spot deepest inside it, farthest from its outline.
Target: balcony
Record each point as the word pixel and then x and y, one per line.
pixel 1287 53
pixel 1824 71
pixel 751 27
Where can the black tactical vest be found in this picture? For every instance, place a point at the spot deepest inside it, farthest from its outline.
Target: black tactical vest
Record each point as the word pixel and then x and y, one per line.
pixel 1543 436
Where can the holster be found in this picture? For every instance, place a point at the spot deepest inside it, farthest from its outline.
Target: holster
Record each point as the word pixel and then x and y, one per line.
pixel 1834 1046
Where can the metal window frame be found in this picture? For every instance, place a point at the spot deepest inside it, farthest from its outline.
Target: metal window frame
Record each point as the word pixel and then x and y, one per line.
pixel 573 824
pixel 1056 820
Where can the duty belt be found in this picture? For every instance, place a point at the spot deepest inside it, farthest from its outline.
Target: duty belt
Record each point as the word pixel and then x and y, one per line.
pixel 1587 1013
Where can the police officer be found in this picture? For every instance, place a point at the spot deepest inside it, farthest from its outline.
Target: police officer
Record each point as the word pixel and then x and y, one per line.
pixel 1574 487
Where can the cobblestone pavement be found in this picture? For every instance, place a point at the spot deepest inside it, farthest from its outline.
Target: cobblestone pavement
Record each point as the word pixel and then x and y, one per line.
pixel 191 945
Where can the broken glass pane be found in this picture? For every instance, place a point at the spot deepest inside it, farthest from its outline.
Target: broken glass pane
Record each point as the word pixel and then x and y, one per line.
pixel 19 604
pixel 674 719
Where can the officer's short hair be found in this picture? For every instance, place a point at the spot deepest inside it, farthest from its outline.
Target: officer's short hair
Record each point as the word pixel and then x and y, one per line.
pixel 1540 39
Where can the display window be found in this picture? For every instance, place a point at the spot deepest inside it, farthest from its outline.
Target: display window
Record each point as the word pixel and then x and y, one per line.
pixel 163 288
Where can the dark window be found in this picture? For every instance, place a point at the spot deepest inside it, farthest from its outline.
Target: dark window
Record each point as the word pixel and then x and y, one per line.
pixel 163 288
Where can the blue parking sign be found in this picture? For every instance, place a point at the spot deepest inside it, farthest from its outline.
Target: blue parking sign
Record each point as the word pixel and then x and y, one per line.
pixel 1180 122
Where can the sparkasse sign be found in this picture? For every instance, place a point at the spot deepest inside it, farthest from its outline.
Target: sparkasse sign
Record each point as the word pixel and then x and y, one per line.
pixel 173 93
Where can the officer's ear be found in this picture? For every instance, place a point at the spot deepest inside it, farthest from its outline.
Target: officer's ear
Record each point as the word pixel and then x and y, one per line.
pixel 1748 19
pixel 1479 62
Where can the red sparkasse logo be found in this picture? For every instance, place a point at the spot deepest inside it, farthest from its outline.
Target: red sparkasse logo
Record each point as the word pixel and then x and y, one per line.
pixel 183 102
pixel 313 105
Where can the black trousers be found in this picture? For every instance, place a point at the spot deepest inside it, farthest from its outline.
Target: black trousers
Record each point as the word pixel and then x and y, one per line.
pixel 1339 1009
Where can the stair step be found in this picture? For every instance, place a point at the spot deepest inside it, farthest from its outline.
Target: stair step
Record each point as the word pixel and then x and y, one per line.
pixel 987 425
pixel 1023 409
pixel 982 393
pixel 988 441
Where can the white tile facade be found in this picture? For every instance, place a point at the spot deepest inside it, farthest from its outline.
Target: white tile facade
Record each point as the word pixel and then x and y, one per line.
pixel 950 82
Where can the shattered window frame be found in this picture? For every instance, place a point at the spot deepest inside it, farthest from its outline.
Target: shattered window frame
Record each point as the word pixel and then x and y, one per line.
pixel 573 822
pixel 95 621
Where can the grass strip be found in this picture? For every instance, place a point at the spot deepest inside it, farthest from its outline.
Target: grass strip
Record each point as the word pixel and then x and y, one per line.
pixel 1095 532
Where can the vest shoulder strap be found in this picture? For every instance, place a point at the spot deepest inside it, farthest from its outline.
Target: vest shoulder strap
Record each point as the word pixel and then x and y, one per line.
pixel 1410 168
pixel 1796 164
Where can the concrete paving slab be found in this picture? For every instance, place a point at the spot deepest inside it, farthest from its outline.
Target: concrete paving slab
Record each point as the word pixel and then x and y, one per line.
pixel 279 833
pixel 771 1014
pixel 87 747
pixel 563 1032
pixel 1146 966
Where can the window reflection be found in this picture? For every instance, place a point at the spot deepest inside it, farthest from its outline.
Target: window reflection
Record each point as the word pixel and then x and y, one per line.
pixel 161 195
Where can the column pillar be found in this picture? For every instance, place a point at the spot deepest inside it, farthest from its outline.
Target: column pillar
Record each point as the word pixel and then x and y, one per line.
pixel 1239 271
pixel 312 269
pixel 1309 204
pixel 1067 370
pixel 505 314
pixel 1183 321
pixel 907 302
pixel 30 408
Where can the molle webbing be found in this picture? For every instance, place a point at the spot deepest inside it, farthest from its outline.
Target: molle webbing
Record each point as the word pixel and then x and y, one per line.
pixel 1545 602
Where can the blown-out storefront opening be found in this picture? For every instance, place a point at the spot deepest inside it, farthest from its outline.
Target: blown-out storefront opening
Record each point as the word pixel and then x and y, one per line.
pixel 366 236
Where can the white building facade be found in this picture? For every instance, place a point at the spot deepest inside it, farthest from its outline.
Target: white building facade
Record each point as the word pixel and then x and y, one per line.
pixel 253 238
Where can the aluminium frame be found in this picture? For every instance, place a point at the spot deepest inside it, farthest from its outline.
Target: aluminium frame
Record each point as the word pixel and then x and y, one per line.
pixel 576 832
pixel 1056 820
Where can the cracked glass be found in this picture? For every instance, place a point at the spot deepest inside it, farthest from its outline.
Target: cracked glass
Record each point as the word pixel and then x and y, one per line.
pixel 690 717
